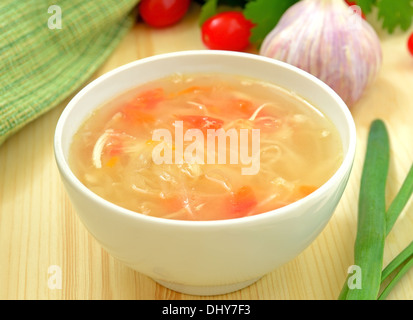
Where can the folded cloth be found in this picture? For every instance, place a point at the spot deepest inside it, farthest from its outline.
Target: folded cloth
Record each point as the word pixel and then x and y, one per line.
pixel 48 49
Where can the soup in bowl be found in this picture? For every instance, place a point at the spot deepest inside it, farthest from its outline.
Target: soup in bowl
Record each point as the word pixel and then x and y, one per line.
pixel 205 170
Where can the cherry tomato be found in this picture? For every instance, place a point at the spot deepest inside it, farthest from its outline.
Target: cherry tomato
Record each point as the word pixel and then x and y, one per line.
pixel 163 13
pixel 228 30
pixel 410 44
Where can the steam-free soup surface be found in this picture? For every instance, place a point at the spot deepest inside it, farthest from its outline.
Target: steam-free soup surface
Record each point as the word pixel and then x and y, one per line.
pixel 124 154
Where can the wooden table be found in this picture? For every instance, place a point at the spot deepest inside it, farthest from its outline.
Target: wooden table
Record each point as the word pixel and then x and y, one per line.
pixel 41 238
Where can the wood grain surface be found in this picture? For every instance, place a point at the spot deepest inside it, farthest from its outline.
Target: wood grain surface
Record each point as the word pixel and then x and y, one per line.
pixel 41 237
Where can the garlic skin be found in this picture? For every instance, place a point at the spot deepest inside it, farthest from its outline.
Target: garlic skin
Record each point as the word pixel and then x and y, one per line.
pixel 328 40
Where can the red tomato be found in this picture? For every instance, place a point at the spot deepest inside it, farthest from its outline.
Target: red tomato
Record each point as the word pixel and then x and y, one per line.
pixel 150 98
pixel 163 13
pixel 136 110
pixel 410 44
pixel 114 146
pixel 228 30
pixel 242 202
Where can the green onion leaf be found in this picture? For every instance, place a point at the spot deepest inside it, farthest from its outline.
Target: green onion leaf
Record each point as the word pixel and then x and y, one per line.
pixel 400 201
pixel 396 268
pixel 371 228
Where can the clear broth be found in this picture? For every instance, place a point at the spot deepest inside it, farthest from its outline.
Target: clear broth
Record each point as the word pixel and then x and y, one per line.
pixel 113 152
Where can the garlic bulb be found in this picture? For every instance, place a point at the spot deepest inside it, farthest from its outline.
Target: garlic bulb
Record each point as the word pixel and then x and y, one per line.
pixel 327 39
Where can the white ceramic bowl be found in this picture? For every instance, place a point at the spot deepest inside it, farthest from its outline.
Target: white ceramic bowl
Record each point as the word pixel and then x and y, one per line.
pixel 205 257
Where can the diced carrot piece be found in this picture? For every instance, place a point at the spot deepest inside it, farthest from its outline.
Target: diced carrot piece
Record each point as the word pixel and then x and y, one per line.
pixel 112 161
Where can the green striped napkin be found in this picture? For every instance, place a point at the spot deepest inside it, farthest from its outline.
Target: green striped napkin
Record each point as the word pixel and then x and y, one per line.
pixel 48 49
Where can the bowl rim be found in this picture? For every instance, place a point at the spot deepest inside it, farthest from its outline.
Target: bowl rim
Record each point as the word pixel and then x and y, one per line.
pixel 70 177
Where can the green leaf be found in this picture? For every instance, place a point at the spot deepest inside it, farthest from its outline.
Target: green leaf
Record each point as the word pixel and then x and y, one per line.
pixel 395 14
pixel 265 14
pixel 210 7
pixel 366 5
pixel 207 11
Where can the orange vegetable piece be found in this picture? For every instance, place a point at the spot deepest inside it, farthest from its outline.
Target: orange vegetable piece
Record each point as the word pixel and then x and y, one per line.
pixel 245 106
pixel 148 99
pixel 112 161
pixel 306 190
pixel 243 201
pixel 114 146
pixel 135 109
pixel 134 115
pixel 172 204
